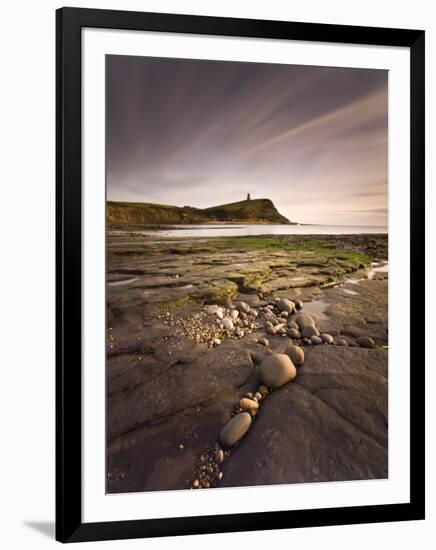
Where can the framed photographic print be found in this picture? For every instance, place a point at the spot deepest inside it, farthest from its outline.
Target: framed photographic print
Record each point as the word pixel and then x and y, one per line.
pixel 240 252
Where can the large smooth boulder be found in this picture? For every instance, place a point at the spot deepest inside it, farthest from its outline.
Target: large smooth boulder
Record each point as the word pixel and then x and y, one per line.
pixel 235 429
pixel 296 354
pixel 276 370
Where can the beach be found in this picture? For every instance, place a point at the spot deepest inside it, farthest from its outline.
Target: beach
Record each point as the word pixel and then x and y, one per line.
pixel 191 322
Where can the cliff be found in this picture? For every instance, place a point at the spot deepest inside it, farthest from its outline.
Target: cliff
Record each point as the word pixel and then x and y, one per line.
pixel 254 211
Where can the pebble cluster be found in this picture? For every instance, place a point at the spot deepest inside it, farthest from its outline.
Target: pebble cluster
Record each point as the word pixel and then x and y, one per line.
pixel 276 370
pixel 215 323
pixel 283 317
pixel 208 471
pixel 110 338
pixel 279 317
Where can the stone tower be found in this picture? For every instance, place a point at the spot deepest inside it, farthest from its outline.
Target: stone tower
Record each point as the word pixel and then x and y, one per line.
pixel 248 197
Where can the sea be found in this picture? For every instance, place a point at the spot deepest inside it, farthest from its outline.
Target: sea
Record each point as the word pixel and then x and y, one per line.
pixel 241 230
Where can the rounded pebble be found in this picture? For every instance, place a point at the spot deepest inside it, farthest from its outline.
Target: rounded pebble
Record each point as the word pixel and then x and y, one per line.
pixel 286 305
pixel 296 354
pixel 316 340
pixel 280 328
pixel 234 314
pixel 341 342
pixel 242 306
pixel 270 317
pixel 211 309
pixel 303 320
pixel 298 304
pixel 263 341
pixel 293 324
pixel 235 429
pixel 248 404
pixel 228 324
pixel 276 370
pixel 269 328
pixel 220 456
pixel 365 342
pixel 263 390
pixel 327 338
pixel 309 331
pixel 294 333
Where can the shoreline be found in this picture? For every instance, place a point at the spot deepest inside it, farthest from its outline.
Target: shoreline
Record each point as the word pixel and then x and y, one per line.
pixel 111 226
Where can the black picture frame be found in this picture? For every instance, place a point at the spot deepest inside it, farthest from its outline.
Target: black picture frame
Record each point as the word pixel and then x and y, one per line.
pixel 69 23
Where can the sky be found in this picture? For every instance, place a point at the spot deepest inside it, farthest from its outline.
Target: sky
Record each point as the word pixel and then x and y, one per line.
pixel 203 133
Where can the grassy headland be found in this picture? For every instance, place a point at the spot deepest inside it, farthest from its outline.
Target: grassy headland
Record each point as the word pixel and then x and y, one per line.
pixel 249 211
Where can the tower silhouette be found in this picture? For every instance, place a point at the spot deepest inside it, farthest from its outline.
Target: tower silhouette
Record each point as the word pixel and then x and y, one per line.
pixel 248 197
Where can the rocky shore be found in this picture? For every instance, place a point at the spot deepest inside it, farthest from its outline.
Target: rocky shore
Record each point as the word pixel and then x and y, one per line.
pixel 245 360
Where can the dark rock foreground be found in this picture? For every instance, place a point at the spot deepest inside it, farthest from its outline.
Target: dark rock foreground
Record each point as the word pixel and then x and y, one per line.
pixel 175 378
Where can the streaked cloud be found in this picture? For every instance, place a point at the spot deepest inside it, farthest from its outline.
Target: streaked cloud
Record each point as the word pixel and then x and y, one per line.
pixel 313 139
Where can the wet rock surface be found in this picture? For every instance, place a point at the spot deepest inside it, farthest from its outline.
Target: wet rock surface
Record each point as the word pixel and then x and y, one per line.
pixel 177 373
pixel 329 425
